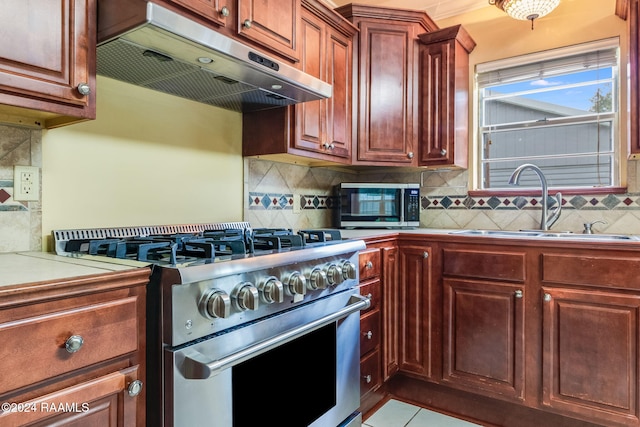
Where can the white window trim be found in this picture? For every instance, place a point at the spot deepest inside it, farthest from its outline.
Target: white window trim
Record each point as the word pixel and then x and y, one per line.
pixel 608 43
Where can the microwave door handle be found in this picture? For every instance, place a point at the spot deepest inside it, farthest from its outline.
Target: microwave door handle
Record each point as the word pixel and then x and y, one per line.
pixel 197 366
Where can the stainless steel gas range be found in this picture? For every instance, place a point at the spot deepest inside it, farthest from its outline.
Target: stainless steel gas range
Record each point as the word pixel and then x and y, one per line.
pixel 245 327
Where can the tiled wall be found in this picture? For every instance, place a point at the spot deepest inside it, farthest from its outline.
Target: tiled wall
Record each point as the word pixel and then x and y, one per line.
pixel 20 222
pixel 273 192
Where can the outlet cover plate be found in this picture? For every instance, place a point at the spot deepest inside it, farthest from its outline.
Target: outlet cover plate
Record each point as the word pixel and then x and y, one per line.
pixel 26 183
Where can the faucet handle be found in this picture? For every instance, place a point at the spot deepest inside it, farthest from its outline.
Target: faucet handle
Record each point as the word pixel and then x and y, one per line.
pixel 588 225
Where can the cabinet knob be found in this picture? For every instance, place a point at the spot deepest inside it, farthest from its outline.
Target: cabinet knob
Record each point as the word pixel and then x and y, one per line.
pixel 410 155
pixel 224 11
pixel 367 378
pixel 368 334
pixel 368 265
pixel 443 152
pixel 247 23
pixel 83 89
pixel 332 146
pixel 425 254
pixel 547 297
pixel 74 343
pixel 519 293
pixel 134 388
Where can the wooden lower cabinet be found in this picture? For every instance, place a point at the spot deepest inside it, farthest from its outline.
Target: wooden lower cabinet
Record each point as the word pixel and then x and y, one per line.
pixel 517 332
pixel 484 337
pixel 590 348
pixel 73 351
pixel 418 317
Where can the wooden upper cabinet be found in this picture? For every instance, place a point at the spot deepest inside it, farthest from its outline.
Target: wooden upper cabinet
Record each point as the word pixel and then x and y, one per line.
pixel 325 126
pixel 629 9
pixel 273 24
pixel 387 73
pixel 47 60
pixel 444 97
pixel 216 11
pixel 318 131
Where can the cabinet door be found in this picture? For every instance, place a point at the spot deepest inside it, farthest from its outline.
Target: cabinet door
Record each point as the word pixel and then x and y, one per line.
pixel 386 93
pixel 311 116
pixel 391 311
pixel 417 317
pixel 590 354
pixel 271 23
pixel 47 53
pixel 444 97
pixel 484 337
pixel 339 60
pixel 216 11
pixel 99 402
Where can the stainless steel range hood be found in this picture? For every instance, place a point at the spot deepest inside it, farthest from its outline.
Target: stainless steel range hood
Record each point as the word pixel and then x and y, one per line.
pixel 172 54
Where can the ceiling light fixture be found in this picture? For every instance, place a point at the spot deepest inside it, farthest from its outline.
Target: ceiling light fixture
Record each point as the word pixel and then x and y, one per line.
pixel 526 9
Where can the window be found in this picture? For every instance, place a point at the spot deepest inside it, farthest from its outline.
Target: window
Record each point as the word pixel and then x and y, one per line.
pixel 556 109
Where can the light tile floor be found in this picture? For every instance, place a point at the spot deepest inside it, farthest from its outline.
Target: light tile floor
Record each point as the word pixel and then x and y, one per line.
pixel 395 413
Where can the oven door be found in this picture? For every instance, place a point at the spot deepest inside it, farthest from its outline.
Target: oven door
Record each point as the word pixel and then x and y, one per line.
pixel 299 368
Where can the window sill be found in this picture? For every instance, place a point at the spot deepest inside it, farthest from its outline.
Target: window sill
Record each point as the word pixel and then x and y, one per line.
pixel 537 192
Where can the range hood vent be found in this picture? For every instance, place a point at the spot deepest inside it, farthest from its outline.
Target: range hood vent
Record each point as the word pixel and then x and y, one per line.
pixel 172 54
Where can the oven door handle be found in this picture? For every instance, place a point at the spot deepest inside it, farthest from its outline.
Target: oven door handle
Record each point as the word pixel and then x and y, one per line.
pixel 197 366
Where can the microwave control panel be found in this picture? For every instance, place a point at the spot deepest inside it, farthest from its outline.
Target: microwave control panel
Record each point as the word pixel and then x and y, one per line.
pixel 412 204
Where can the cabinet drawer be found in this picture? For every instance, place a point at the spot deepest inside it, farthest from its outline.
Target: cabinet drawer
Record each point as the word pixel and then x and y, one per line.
pixel 369 263
pixel 590 270
pixel 509 266
pixel 371 288
pixel 369 332
pixel 370 372
pixel 34 348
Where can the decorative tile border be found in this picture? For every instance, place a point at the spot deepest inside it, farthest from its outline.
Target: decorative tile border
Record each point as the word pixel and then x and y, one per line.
pixel 629 201
pixel 277 201
pixel 7 204
pixel 264 201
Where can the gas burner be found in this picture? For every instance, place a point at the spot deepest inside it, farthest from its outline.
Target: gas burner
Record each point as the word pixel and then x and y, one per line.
pixel 171 245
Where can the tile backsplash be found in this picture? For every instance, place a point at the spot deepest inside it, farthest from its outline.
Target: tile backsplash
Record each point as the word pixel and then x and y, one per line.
pixel 20 222
pixel 294 196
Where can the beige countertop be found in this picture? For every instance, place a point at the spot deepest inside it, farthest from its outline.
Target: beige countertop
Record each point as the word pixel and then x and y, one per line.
pixel 379 232
pixel 31 267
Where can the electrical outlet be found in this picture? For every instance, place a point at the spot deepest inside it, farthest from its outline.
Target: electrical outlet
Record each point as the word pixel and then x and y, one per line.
pixel 26 183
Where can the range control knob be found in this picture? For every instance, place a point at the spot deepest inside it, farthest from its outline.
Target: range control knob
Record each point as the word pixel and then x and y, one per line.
pixel 317 279
pixel 349 270
pixel 334 274
pixel 296 284
pixel 271 290
pixel 246 296
pixel 215 304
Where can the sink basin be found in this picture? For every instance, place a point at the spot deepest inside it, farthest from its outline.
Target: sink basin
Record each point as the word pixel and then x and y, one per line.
pixel 497 233
pixel 546 235
pixel 590 236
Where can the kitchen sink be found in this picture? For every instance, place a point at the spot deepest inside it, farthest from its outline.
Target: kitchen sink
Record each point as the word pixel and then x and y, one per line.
pixel 546 235
pixel 497 233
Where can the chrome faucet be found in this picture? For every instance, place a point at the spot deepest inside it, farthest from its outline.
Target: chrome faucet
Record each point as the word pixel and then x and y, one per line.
pixel 547 220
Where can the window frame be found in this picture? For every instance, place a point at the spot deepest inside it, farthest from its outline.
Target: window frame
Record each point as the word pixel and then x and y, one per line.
pixel 617 155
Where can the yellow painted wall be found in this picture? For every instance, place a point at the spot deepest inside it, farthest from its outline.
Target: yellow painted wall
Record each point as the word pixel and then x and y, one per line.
pixel 148 159
pixel 499 36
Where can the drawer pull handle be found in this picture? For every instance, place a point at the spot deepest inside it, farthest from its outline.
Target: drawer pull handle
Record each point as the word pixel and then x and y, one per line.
pixel 367 378
pixel 134 388
pixel 74 343
pixel 369 296
pixel 425 254
pixel 547 297
pixel 369 265
pixel 369 335
pixel 519 294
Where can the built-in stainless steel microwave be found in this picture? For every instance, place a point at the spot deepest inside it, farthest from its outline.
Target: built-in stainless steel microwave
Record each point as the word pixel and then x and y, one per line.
pixel 366 205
